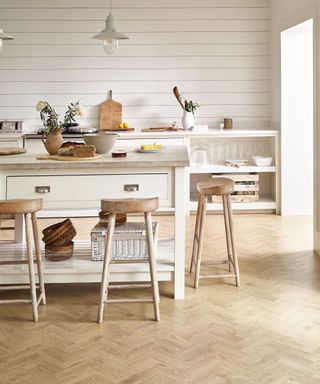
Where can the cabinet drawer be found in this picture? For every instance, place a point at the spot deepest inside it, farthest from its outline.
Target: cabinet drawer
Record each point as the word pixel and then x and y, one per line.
pixel 86 191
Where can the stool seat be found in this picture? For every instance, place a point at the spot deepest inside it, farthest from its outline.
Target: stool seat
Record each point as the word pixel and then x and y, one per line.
pixel 113 207
pixel 20 206
pixel 218 186
pixel 130 205
pixel 27 208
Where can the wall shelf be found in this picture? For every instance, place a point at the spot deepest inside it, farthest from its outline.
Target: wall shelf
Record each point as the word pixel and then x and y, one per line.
pixel 225 169
pixel 264 203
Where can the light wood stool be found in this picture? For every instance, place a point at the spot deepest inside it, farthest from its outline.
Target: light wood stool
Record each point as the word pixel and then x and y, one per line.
pixel 145 206
pixel 216 187
pixel 28 209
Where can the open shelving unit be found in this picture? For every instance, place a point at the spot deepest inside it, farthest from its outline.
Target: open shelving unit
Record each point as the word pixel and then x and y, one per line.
pixel 81 269
pixel 237 145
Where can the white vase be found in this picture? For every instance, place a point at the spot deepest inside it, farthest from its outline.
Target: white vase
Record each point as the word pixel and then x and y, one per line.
pixel 187 120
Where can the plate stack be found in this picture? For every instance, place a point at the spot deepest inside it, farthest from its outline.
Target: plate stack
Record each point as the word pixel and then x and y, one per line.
pixel 58 240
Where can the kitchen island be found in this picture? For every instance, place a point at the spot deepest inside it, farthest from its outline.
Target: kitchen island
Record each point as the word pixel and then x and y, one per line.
pixel 68 186
pixel 221 145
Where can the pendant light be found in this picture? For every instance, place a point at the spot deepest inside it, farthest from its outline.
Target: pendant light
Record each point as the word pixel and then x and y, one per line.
pixel 110 35
pixel 4 36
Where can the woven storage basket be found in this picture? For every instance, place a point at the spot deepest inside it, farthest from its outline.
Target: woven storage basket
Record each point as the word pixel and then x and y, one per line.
pixel 59 253
pixel 59 233
pixel 129 242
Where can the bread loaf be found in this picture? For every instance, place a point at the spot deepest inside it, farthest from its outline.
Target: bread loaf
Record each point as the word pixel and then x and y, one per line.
pixel 84 151
pixel 67 148
pixel 66 151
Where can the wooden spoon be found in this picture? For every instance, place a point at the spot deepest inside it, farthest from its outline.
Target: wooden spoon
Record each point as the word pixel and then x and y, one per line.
pixel 178 96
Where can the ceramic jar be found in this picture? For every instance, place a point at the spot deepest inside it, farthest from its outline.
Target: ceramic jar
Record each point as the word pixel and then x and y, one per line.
pixel 187 120
pixel 54 141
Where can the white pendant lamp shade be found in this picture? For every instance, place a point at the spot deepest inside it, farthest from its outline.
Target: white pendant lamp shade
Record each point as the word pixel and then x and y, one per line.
pixel 110 36
pixel 4 36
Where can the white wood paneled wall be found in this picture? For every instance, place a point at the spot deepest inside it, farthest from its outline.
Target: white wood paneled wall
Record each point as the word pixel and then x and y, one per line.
pixel 216 51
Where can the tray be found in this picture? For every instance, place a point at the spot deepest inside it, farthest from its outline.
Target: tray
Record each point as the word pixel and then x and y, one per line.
pixel 66 158
pixel 11 151
pixel 150 150
pixel 161 129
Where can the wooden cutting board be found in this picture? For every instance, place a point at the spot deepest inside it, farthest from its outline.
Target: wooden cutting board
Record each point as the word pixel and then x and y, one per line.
pixel 11 151
pixel 161 129
pixel 110 114
pixel 66 158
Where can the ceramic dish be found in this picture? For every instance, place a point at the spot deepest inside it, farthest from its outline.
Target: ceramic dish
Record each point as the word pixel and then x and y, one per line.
pixel 236 162
pixel 262 161
pixel 150 150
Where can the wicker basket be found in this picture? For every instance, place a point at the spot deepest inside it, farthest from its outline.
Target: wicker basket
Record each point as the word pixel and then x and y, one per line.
pixel 59 253
pixel 59 234
pixel 129 242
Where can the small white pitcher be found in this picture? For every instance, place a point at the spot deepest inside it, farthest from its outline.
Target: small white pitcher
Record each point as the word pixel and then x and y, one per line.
pixel 187 120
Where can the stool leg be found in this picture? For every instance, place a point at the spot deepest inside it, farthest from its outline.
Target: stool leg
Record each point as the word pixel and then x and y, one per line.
pixel 38 257
pixel 196 235
pixel 227 230
pixel 203 202
pixel 106 263
pixel 153 266
pixel 232 242
pixel 28 225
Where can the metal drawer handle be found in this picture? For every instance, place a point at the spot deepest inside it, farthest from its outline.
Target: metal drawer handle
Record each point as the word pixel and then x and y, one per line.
pixel 42 189
pixel 131 187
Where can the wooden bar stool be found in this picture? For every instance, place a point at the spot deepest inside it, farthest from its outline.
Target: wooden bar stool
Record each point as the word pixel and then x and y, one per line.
pixel 223 187
pixel 28 209
pixel 145 206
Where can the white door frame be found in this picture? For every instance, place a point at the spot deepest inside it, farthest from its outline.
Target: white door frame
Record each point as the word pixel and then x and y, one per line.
pixel 304 15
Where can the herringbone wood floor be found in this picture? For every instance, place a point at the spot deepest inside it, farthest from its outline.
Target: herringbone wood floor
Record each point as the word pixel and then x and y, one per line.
pixel 265 332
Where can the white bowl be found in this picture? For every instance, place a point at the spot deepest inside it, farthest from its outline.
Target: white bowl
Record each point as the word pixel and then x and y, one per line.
pixel 103 141
pixel 262 161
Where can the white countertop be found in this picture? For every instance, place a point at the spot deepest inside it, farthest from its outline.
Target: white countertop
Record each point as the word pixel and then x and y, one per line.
pixel 171 156
pixel 183 133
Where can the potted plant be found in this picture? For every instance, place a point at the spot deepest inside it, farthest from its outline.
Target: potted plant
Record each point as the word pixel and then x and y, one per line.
pixel 189 108
pixel 188 114
pixel 53 126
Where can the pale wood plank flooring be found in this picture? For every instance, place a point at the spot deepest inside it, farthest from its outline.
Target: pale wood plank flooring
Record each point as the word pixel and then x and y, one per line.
pixel 265 332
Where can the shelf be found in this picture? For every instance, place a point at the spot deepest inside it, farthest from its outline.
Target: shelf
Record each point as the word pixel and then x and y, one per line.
pixel 225 169
pixel 81 269
pixel 264 203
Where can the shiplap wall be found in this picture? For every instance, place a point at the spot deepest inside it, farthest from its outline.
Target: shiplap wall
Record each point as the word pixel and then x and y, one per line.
pixel 216 51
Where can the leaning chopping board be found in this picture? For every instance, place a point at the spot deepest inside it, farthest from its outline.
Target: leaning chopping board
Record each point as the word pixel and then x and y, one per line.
pixel 110 114
pixel 66 158
pixel 11 151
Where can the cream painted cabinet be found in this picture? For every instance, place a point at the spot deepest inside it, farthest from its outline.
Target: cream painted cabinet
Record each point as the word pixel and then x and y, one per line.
pixel 85 191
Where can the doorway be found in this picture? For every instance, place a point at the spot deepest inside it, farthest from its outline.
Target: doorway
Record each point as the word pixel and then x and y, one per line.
pixel 297 119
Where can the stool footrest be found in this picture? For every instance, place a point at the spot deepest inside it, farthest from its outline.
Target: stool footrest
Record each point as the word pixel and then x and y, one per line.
pixel 214 262
pixel 12 301
pixel 216 276
pixel 15 287
pixel 40 298
pixel 125 286
pixel 117 301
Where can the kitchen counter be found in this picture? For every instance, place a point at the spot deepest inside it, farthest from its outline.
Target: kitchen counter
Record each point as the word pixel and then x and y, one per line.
pixel 171 156
pixel 181 133
pixel 73 188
